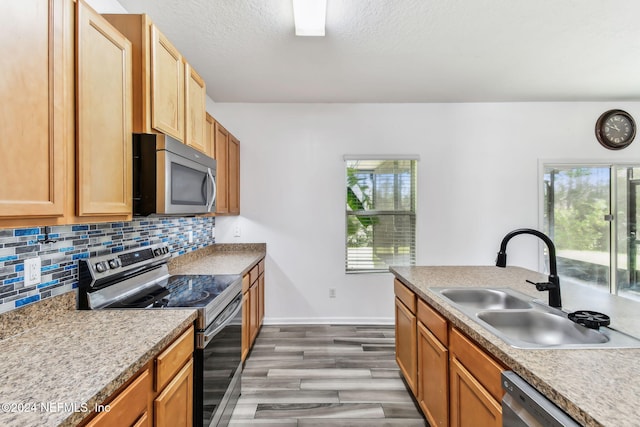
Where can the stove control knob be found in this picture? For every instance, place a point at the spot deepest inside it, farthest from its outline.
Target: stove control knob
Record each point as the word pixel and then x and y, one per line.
pixel 165 250
pixel 157 251
pixel 113 263
pixel 101 267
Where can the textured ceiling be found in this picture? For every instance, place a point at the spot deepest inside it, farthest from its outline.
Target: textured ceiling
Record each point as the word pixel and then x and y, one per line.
pixel 409 50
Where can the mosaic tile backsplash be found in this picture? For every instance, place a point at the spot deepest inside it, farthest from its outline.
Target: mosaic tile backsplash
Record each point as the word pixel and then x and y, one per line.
pixel 69 243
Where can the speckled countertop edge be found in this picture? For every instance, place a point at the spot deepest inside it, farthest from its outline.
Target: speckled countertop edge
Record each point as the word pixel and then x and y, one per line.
pixel 597 387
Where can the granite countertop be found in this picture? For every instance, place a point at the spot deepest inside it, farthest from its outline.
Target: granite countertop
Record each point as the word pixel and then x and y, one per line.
pixel 597 387
pixel 219 259
pixel 58 363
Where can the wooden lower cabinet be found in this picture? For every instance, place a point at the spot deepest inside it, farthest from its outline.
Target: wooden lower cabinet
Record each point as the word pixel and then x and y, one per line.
pixel 160 395
pixel 455 382
pixel 475 387
pixel 433 379
pixel 130 407
pixel 406 344
pixel 252 306
pixel 471 404
pixel 174 406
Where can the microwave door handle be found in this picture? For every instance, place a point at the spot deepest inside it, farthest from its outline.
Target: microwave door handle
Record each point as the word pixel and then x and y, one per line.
pixel 213 190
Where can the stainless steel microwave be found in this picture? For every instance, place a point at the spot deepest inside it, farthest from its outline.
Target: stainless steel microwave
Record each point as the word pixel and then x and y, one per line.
pixel 171 178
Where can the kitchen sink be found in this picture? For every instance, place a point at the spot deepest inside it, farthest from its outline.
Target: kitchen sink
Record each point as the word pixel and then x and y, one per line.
pixel 486 299
pixel 540 328
pixel 526 322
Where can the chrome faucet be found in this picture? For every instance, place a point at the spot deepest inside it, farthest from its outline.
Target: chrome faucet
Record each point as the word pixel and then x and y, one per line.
pixel 553 285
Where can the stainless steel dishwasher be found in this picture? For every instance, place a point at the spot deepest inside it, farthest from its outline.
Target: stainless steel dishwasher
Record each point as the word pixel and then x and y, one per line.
pixel 524 406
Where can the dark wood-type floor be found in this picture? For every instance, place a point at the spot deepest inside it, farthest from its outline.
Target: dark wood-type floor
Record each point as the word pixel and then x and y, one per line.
pixel 316 376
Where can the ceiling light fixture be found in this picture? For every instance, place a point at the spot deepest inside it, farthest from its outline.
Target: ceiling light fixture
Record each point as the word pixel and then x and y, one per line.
pixel 309 17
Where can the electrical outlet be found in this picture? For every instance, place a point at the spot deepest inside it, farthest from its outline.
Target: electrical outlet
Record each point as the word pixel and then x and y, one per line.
pixel 32 271
pixel 190 236
pixel 332 292
pixel 236 231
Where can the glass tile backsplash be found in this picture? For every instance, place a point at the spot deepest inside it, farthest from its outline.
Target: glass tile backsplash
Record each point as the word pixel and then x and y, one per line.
pixel 67 244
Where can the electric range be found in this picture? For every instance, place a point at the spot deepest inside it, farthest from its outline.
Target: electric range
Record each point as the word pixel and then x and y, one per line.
pixel 139 279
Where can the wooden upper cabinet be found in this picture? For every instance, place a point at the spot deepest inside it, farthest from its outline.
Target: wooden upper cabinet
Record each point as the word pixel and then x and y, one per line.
pixel 195 110
pixel 210 134
pixel 103 124
pixel 32 117
pixel 158 77
pixel 227 155
pixel 222 168
pixel 234 175
pixel 167 86
pixel 137 28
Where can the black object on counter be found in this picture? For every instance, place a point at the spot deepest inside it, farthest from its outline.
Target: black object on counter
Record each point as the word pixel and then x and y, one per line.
pixel 590 319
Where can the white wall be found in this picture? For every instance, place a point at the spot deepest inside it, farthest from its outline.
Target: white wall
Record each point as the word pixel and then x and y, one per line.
pixel 106 6
pixel 478 179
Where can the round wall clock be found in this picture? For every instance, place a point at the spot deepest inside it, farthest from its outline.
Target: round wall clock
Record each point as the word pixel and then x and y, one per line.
pixel 615 129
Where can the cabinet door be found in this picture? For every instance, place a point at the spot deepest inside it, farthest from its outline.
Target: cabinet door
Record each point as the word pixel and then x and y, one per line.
pixel 471 404
pixel 195 100
pixel 254 306
pixel 245 325
pixel 433 378
pixel 104 117
pixel 174 406
pixel 260 299
pixel 32 115
pixel 130 407
pixel 222 169
pixel 211 135
pixel 234 175
pixel 167 86
pixel 406 342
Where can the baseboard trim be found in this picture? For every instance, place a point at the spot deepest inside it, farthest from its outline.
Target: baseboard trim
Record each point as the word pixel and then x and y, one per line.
pixel 329 321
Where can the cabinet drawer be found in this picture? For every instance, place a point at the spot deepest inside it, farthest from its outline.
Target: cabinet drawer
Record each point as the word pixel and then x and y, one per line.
pixel 129 407
pixel 254 273
pixel 433 321
pixel 246 283
pixel 173 358
pixel 477 362
pixel 405 295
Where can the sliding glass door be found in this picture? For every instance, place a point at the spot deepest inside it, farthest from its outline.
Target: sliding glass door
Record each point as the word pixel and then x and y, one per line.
pixel 591 214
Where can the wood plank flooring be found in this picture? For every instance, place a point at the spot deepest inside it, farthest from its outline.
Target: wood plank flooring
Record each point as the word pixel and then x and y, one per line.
pixel 321 375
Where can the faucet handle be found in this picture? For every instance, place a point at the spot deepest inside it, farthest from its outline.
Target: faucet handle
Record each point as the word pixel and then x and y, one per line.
pixel 542 286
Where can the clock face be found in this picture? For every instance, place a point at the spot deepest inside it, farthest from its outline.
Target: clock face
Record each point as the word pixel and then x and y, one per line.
pixel 615 129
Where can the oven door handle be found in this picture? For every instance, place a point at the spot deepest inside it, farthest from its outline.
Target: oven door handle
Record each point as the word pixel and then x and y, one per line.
pixel 223 319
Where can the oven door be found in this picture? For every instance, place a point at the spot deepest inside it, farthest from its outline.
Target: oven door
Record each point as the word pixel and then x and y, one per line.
pixel 218 366
pixel 183 185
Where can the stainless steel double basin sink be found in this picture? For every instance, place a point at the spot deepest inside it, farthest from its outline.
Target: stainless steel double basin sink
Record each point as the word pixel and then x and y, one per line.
pixel 524 322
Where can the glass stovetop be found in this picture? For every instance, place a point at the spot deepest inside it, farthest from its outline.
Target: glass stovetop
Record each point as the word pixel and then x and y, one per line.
pixel 180 291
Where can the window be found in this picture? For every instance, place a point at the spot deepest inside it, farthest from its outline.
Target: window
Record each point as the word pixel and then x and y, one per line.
pixel 380 213
pixel 591 212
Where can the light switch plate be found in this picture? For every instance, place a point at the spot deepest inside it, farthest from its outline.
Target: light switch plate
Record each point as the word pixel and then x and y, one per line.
pixel 32 271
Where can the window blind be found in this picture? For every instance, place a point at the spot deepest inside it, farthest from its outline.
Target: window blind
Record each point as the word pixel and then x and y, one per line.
pixel 380 213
